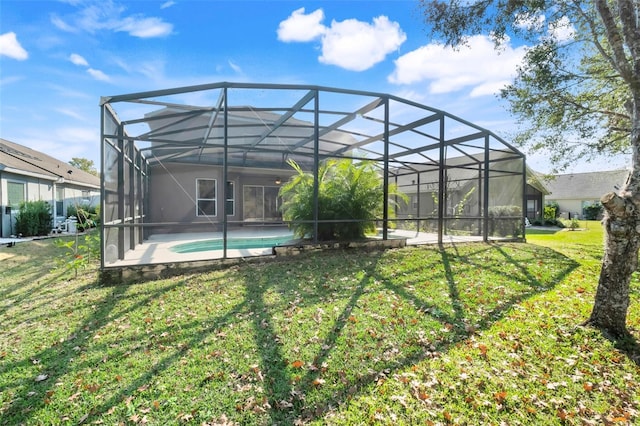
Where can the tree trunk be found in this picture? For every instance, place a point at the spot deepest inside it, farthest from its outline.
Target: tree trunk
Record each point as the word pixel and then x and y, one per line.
pixel 622 241
pixel 620 260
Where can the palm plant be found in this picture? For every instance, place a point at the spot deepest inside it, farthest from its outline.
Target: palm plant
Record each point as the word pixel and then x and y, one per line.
pixel 350 199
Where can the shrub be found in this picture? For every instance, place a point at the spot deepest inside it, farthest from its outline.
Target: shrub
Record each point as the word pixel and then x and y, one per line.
pixel 551 210
pixel 572 224
pixel 86 215
pixel 349 200
pixel 593 211
pixel 78 253
pixel 505 221
pixel 33 218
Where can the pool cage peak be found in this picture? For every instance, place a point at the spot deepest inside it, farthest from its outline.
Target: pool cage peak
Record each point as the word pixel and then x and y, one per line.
pixel 210 159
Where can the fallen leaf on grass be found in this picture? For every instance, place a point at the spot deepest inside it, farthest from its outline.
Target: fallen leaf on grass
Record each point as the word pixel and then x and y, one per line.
pixel 41 377
pixel 500 396
pixel 284 405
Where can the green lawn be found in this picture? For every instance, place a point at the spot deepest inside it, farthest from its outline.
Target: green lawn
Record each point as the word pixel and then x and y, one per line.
pixel 468 334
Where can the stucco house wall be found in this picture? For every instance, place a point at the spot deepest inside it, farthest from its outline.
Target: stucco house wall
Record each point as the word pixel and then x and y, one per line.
pixel 173 196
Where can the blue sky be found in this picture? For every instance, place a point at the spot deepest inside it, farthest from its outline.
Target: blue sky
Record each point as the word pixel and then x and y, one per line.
pixel 57 58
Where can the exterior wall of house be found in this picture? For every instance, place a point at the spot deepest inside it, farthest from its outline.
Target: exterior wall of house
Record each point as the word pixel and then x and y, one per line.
pixel 35 189
pixel 173 196
pixel 572 208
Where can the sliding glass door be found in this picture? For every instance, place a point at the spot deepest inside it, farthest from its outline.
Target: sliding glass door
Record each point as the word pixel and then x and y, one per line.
pixel 261 203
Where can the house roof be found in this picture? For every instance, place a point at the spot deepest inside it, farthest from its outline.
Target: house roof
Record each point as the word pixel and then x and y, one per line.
pixel 254 137
pixel 21 160
pixel 585 186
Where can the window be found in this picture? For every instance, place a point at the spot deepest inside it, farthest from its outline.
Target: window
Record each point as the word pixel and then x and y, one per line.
pixel 205 197
pixel 59 201
pixel 15 194
pixel 85 196
pixel 231 199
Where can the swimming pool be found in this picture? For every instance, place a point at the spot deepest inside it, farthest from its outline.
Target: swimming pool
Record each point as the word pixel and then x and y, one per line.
pixel 232 243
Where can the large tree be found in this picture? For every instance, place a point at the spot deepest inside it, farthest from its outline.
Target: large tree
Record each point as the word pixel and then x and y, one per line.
pixel 84 164
pixel 577 94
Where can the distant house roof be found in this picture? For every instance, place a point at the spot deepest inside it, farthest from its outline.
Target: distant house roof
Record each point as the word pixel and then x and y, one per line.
pixel 19 159
pixel 255 137
pixel 585 186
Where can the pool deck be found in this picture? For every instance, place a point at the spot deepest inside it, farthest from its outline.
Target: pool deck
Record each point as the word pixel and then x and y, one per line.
pixel 157 249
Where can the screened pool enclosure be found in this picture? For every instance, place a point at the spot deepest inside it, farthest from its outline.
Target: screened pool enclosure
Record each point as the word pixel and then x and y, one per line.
pixel 207 162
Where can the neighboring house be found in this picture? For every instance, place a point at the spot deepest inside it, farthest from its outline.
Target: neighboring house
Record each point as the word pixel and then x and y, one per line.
pixel 29 175
pixel 574 191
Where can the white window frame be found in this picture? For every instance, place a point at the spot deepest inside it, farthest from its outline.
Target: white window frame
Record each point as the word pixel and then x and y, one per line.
pixel 231 198
pixel 14 207
pixel 214 200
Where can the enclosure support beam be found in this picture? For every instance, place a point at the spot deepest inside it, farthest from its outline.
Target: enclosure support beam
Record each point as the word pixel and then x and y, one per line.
pixel 131 148
pixel 385 184
pixel 316 162
pixel 144 193
pixel 102 186
pixel 418 201
pixel 524 199
pixel 481 193
pixel 485 196
pixel 121 197
pixel 225 172
pixel 441 183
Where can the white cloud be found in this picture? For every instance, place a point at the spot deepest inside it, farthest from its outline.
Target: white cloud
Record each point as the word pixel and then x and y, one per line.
pixel 562 30
pixel 62 25
pixel 78 60
pixel 477 65
pixel 167 4
pixel 349 44
pixel 106 15
pixel 70 113
pixel 357 45
pixel 301 27
pixel 10 46
pixel 145 27
pixel 235 67
pixel 5 81
pixel 530 22
pixel 98 75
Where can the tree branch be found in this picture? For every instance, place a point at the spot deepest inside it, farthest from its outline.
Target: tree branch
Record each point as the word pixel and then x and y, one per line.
pixel 615 39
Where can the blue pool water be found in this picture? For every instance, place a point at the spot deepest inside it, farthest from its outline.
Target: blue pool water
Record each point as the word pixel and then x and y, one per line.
pixel 232 243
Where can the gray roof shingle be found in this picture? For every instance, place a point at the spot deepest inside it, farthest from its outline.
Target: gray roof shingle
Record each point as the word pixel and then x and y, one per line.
pixel 23 160
pixel 585 186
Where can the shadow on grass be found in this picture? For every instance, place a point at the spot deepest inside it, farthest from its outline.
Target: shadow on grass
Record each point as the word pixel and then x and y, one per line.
pixel 58 359
pixel 390 310
pixel 630 347
pixel 298 395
